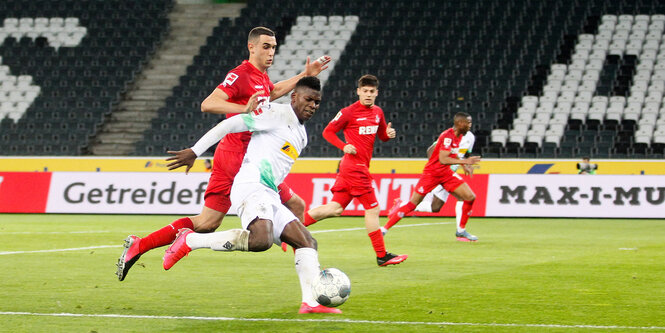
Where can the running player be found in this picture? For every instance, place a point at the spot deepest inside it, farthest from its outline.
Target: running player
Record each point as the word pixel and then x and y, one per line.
pixel 229 98
pixel 438 171
pixel 434 200
pixel 279 136
pixel 361 122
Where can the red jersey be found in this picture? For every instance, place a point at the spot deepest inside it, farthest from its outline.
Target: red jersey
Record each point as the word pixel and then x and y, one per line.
pixel 361 124
pixel 240 84
pixel 449 142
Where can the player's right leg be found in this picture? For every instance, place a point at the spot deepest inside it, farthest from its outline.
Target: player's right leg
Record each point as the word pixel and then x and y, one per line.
pixel 383 257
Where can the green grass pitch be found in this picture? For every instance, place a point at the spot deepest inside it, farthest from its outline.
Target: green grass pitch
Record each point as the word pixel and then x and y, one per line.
pixel 524 275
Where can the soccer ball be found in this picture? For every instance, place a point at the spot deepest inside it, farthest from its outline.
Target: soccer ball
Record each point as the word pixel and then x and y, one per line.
pixel 331 287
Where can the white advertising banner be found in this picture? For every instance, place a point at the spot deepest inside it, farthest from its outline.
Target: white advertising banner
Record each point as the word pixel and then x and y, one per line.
pixel 576 196
pixel 127 193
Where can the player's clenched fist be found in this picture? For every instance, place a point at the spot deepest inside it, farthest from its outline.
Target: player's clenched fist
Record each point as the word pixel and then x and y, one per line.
pixel 350 149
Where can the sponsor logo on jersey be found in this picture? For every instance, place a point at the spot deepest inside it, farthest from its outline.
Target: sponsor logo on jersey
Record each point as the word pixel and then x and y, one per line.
pixel 447 141
pixel 359 119
pixel 230 79
pixel 376 120
pixel 258 86
pixel 368 129
pixel 289 150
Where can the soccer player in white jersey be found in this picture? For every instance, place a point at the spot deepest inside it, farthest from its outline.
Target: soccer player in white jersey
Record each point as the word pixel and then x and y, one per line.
pixel 278 137
pixel 434 200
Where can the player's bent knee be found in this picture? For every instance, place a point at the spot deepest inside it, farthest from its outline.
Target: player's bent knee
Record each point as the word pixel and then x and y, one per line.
pixel 260 235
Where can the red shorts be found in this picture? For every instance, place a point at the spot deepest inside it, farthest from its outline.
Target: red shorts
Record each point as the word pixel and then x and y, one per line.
pixel 427 183
pixel 225 167
pixel 351 185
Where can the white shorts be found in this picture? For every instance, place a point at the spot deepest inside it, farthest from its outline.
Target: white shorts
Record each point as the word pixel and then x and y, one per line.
pixel 440 193
pixel 255 200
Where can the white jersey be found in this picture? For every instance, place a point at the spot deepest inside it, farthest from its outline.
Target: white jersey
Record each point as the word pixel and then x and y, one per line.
pixel 278 138
pixel 465 146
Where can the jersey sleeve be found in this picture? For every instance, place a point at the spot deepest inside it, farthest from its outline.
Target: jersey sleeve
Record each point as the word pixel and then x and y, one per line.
pixel 335 125
pixel 232 84
pixel 446 141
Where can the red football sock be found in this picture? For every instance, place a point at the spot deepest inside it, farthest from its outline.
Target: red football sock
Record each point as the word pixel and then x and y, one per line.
pixel 399 214
pixel 377 243
pixel 308 220
pixel 164 236
pixel 466 212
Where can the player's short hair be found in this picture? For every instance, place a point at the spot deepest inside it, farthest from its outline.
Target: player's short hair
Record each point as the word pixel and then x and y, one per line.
pixel 255 33
pixel 368 80
pixel 459 115
pixel 309 82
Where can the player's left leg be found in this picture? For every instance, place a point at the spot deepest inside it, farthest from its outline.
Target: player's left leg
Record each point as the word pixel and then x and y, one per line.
pixel 466 198
pixel 306 261
pixel 332 209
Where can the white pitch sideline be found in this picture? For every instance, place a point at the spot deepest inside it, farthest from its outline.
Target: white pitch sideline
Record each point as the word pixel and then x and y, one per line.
pixel 108 246
pixel 340 321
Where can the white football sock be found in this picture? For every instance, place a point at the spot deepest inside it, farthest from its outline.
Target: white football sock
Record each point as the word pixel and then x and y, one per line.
pixel 228 240
pixel 458 214
pixel 425 205
pixel 307 267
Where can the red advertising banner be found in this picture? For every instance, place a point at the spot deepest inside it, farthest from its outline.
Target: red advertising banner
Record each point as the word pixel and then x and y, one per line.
pixel 24 192
pixel 315 190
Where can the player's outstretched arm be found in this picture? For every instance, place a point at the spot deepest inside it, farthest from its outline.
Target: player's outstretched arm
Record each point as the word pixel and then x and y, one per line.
pixel 231 125
pixel 311 69
pixel 217 103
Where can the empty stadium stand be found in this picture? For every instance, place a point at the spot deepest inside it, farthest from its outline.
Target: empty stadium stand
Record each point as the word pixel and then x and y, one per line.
pixel 64 64
pixel 542 79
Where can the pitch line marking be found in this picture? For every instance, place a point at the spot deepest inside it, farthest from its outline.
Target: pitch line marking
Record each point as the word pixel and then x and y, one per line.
pixel 145 231
pixel 397 226
pixel 60 250
pixel 64 232
pixel 323 320
pixel 110 246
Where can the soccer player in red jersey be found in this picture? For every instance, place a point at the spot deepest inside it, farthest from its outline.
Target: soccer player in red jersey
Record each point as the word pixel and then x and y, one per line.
pixel 361 122
pixel 437 171
pixel 229 98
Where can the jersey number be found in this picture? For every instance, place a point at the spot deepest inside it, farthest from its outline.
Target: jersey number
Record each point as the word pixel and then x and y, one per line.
pixel 263 101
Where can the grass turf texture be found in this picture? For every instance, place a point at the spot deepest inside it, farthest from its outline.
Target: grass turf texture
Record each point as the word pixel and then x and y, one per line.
pixel 522 272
